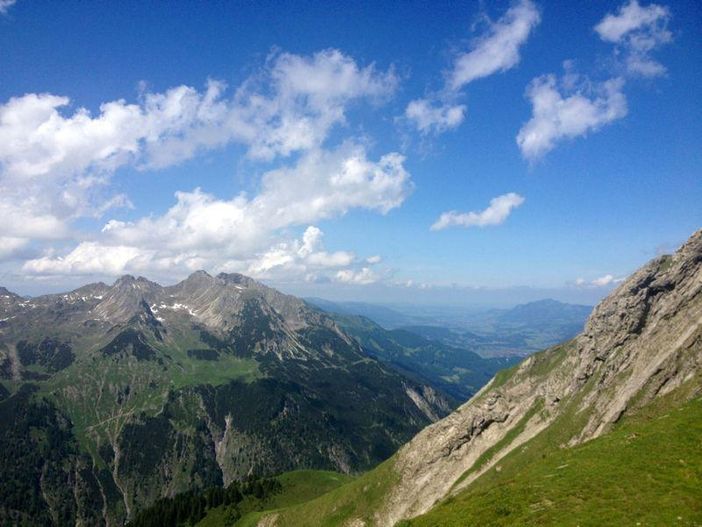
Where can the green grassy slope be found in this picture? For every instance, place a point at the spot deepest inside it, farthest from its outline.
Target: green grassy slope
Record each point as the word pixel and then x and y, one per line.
pixel 297 487
pixel 357 499
pixel 647 471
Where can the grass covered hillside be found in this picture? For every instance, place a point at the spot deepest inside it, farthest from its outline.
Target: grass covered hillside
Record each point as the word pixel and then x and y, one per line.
pixel 647 471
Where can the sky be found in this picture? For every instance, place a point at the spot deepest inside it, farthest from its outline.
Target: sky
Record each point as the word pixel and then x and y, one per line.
pixel 484 152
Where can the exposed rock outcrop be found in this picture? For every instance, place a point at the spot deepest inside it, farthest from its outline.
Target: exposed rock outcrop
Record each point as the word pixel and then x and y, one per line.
pixel 643 340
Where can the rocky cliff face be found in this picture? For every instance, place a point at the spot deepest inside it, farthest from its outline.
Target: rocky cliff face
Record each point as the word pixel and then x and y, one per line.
pixel 161 389
pixel 645 339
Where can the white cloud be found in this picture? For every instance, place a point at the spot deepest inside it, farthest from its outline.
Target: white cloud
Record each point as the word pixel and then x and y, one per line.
pixel 5 6
pixel 637 31
pixel 297 100
pixel 56 164
pixel 88 258
pixel 630 17
pixel 10 245
pixel 376 259
pixel 299 257
pixel 498 49
pixel 566 109
pixel 601 281
pixel 291 106
pixel 495 51
pixel 246 234
pixel 572 105
pixel 428 117
pixel 363 276
pixel 498 211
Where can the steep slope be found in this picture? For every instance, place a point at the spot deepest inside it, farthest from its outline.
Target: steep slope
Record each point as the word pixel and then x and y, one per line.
pixel 455 371
pixel 646 471
pixel 642 342
pixel 158 390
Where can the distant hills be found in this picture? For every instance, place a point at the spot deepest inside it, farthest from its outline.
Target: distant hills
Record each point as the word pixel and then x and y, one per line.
pixel 521 330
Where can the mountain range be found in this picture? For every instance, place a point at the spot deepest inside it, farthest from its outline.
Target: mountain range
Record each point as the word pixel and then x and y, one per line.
pixel 115 396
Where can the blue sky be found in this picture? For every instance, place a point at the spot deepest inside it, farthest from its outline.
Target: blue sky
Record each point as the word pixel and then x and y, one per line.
pixel 477 152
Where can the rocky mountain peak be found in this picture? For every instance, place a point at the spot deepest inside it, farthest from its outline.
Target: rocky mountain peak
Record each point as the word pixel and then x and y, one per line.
pixel 6 294
pixel 200 274
pixel 659 289
pixel 236 279
pixel 128 281
pixel 126 298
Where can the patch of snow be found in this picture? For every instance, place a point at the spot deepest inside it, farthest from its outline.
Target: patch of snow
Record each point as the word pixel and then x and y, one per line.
pixel 178 306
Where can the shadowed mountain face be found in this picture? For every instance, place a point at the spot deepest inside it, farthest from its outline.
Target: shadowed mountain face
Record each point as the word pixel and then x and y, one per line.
pixel 455 371
pixel 121 394
pixel 539 444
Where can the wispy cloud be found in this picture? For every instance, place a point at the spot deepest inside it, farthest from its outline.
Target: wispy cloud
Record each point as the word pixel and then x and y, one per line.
pixel 499 210
pixel 601 281
pixel 496 50
pixel 572 105
pixel 5 5
pixel 637 31
pixel 434 117
pixel 363 277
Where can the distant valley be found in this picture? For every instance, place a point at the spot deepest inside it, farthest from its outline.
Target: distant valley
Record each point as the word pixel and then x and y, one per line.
pixel 489 332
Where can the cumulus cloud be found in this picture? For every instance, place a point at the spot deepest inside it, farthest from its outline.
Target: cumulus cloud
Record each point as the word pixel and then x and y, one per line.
pixel 498 211
pixel 564 109
pixel 497 50
pixel 56 162
pixel 301 256
pixel 242 233
pixel 637 31
pixel 89 258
